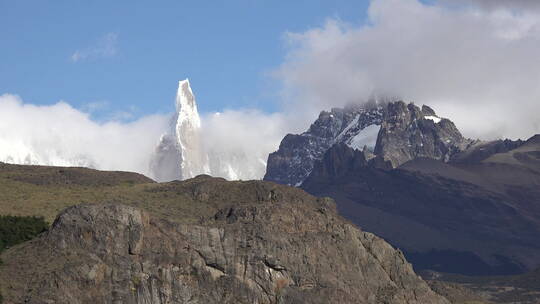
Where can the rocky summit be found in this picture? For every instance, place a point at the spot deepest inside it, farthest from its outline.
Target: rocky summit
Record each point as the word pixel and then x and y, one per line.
pixel 394 132
pixel 408 132
pixel 249 242
pixel 293 162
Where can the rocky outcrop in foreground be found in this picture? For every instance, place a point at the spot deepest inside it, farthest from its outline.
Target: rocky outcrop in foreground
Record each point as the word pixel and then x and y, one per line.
pixel 272 245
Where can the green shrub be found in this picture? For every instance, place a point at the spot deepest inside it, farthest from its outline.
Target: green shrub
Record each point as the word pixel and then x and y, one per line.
pixel 18 229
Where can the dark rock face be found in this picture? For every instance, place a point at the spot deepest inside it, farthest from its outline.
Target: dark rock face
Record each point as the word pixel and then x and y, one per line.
pixel 408 132
pixel 405 132
pixel 339 160
pixel 280 248
pixel 294 160
pixel 477 216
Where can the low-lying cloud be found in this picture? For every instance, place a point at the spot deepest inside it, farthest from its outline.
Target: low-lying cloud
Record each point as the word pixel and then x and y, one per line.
pixel 242 139
pixel 59 134
pixel 477 66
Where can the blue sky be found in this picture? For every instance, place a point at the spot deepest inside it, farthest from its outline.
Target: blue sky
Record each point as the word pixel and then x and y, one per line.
pixel 127 56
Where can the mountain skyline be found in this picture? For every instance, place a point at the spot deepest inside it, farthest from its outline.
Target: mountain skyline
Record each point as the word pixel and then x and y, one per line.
pixel 334 55
pixel 183 146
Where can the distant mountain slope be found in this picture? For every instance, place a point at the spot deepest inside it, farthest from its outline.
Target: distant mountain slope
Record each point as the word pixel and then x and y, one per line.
pixel 523 288
pixel 474 217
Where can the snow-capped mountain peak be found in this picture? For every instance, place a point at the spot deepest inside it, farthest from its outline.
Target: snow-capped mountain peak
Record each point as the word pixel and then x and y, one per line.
pixel 185 151
pixel 179 154
pixel 186 107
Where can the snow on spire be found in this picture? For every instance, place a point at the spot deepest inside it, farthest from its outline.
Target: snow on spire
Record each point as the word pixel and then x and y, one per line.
pixel 188 125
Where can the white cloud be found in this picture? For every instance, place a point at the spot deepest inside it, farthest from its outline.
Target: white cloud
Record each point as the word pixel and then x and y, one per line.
pixel 62 135
pixel 242 139
pixel 476 66
pixel 106 46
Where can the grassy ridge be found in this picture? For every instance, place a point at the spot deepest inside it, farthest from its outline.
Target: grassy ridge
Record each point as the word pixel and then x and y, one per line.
pixel 45 191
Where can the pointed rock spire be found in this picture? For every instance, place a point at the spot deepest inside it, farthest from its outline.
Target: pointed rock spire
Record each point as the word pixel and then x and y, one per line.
pixel 188 125
pixel 179 154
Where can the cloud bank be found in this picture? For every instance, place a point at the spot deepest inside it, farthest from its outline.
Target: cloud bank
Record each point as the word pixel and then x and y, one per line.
pixel 477 66
pixel 62 135
pixel 242 139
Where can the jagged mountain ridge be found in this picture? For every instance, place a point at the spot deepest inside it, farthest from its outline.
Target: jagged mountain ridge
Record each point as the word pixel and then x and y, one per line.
pixel 394 131
pixel 294 159
pixel 410 132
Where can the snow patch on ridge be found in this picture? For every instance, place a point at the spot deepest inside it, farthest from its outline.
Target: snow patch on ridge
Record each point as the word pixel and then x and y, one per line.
pixel 434 118
pixel 353 123
pixel 366 137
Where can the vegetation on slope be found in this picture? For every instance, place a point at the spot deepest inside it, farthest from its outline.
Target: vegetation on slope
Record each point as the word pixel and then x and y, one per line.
pixel 17 229
pixel 53 189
